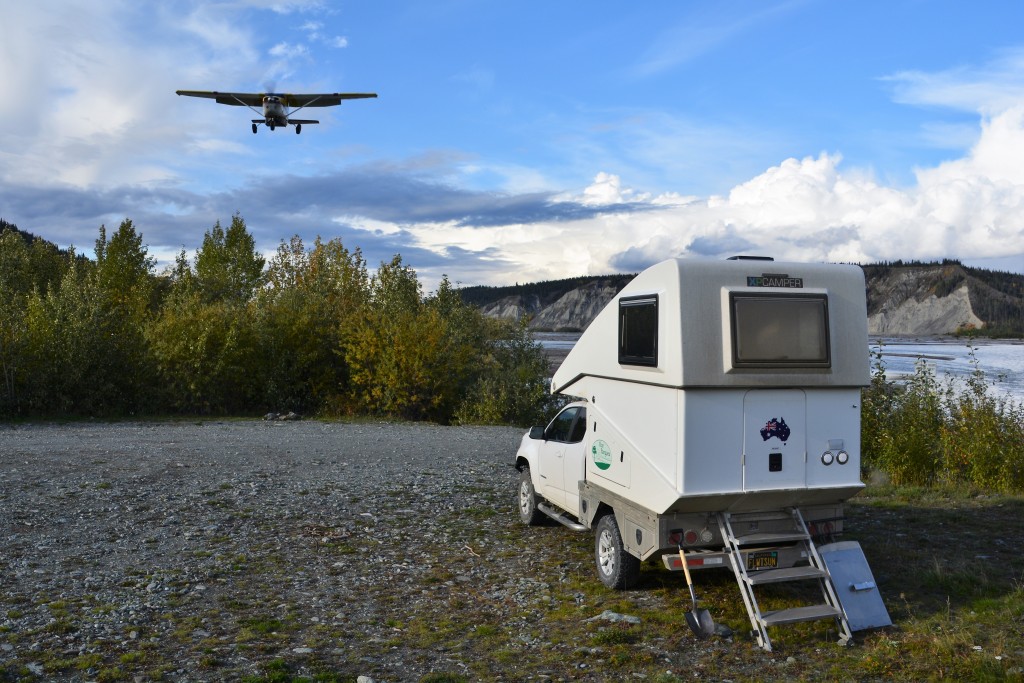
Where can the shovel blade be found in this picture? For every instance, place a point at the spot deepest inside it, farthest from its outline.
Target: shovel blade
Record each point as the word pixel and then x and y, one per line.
pixel 701 623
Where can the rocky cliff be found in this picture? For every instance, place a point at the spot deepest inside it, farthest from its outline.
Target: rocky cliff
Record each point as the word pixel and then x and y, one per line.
pixel 571 311
pixel 903 300
pixel 909 300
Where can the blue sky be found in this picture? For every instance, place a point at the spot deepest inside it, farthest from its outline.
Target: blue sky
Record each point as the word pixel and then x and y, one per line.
pixel 517 142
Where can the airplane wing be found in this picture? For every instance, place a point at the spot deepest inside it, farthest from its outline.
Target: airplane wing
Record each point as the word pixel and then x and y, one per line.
pixel 238 99
pixel 323 99
pixel 251 99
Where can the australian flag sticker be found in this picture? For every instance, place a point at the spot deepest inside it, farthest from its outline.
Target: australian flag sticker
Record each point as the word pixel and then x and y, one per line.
pixel 775 427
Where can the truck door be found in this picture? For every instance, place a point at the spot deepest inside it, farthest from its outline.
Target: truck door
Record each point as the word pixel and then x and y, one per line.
pixel 574 463
pixel 558 442
pixel 774 439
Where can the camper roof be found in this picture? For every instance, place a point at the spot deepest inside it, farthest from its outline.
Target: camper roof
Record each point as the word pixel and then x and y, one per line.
pixel 737 323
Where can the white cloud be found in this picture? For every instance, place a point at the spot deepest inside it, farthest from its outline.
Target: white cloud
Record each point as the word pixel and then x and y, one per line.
pixel 92 94
pixel 988 89
pixel 285 50
pixel 702 30
pixel 808 209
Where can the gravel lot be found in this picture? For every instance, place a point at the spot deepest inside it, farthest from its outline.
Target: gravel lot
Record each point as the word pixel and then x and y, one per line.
pixel 320 551
pixel 205 551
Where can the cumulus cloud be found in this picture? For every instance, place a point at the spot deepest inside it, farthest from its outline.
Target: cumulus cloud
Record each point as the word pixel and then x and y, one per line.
pixel 809 209
pixel 802 209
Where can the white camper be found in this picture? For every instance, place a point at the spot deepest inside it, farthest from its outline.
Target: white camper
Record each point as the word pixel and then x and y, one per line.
pixel 718 423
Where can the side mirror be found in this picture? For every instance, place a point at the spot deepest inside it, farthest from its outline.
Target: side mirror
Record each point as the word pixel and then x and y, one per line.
pixel 537 433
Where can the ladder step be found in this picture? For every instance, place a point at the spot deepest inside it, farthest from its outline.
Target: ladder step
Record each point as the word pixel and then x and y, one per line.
pixel 764 576
pixel 798 614
pixel 771 537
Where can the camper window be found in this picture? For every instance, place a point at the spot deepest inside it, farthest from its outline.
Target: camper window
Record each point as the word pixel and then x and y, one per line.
pixel 638 331
pixel 777 330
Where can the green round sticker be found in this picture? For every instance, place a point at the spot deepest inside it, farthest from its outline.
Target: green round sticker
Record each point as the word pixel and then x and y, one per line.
pixel 602 454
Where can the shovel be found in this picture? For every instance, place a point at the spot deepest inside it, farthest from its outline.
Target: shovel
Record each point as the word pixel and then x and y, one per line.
pixel 699 620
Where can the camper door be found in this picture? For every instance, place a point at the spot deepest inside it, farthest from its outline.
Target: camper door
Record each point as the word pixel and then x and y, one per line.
pixel 774 439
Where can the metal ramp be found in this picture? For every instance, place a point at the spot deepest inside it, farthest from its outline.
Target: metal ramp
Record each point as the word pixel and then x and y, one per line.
pixel 754 542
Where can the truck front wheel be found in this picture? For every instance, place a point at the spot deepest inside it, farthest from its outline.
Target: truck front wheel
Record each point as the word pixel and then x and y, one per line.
pixel 528 511
pixel 616 568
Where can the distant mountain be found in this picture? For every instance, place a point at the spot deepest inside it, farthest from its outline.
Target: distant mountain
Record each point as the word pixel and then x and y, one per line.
pixel 903 299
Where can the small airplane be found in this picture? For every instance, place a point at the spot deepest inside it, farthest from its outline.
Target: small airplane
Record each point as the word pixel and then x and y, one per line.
pixel 276 106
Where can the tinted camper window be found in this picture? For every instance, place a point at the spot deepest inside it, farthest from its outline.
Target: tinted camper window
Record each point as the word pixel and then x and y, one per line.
pixel 638 331
pixel 770 330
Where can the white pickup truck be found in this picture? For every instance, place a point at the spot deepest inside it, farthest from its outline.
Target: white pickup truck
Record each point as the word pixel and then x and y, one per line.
pixel 717 402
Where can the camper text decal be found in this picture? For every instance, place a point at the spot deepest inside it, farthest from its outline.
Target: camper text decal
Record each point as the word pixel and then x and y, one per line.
pixel 775 280
pixel 602 454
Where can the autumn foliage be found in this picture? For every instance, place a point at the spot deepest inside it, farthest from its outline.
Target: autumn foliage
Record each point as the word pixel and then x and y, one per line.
pixel 227 333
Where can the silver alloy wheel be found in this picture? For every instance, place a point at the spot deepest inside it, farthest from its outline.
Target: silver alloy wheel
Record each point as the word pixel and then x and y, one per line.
pixel 525 497
pixel 606 553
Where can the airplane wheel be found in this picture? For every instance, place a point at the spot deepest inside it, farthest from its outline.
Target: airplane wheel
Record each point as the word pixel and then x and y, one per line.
pixel 271 126
pixel 254 129
pixel 298 128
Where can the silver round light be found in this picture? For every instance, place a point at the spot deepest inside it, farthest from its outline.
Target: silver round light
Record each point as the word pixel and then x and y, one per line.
pixel 827 458
pixel 842 457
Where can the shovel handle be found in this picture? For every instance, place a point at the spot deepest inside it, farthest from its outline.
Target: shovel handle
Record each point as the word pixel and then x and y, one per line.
pixel 689 581
pixel 686 567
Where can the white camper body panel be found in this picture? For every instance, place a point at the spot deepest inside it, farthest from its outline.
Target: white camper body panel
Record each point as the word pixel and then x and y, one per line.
pixel 696 430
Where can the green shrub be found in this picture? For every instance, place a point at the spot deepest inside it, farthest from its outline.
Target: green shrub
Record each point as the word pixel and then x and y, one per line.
pixel 921 432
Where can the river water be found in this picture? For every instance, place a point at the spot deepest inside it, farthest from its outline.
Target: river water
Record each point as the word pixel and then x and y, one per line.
pixel 1002 361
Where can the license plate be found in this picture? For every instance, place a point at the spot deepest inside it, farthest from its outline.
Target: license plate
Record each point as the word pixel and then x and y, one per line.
pixel 766 559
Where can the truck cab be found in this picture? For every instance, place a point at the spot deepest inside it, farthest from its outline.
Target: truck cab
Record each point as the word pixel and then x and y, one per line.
pixel 554 461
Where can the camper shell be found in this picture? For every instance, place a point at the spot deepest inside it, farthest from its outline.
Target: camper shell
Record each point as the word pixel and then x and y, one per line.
pixel 707 388
pixel 686 370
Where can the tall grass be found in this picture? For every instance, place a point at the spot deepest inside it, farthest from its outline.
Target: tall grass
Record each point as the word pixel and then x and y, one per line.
pixel 923 431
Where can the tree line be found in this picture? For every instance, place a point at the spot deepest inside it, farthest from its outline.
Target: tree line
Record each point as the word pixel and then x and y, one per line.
pixel 228 333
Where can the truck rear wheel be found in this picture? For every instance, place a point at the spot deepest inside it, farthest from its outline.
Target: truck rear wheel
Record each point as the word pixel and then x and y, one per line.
pixel 528 511
pixel 616 568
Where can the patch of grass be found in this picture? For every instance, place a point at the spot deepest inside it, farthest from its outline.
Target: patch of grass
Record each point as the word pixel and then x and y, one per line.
pixel 444 678
pixel 615 636
pixel 263 625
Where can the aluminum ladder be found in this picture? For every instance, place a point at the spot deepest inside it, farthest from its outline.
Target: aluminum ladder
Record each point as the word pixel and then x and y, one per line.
pixel 784 530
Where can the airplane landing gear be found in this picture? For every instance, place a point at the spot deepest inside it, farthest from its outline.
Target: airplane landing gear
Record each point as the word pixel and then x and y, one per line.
pixel 298 128
pixel 254 129
pixel 271 125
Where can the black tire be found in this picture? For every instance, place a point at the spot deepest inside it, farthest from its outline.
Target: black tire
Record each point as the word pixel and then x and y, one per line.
pixel 254 129
pixel 528 512
pixel 298 128
pixel 616 568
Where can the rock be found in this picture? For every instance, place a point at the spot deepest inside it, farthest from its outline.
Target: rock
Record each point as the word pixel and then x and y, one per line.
pixel 615 617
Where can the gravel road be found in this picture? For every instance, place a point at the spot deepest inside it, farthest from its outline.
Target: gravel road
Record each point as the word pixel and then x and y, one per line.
pixel 217 550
